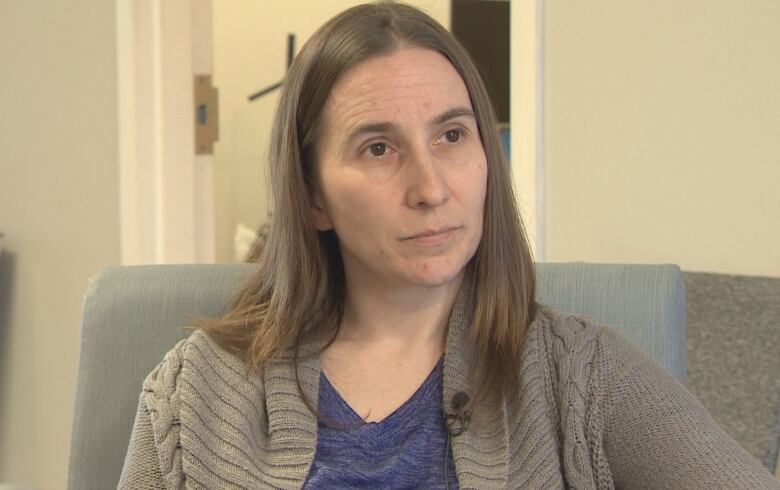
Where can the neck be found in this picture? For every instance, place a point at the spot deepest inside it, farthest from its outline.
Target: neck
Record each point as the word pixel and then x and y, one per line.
pixel 401 316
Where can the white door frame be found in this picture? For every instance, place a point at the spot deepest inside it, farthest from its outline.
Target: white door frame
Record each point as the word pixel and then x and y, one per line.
pixel 166 196
pixel 527 117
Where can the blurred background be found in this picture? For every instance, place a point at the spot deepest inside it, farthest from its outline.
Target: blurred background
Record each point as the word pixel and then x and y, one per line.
pixel 642 131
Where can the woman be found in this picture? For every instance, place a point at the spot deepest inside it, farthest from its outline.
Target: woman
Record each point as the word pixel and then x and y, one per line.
pixel 390 338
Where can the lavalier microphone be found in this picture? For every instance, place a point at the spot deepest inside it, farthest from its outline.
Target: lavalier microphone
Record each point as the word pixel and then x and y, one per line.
pixel 456 423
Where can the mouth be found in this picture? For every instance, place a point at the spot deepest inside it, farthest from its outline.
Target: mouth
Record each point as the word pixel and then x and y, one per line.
pixel 433 236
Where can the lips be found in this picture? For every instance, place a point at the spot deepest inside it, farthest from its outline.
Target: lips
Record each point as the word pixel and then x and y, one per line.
pixel 433 236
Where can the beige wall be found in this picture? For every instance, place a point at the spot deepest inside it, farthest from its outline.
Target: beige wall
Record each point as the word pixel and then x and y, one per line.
pixel 59 210
pixel 250 53
pixel 662 122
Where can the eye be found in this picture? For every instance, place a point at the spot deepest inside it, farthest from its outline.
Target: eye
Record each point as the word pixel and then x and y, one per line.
pixel 377 149
pixel 452 135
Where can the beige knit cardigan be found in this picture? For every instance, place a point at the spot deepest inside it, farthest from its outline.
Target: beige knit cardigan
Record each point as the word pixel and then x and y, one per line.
pixel 593 412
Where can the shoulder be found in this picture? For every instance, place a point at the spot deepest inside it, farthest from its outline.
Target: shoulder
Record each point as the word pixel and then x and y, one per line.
pixel 575 332
pixel 578 346
pixel 192 391
pixel 564 334
pixel 195 365
pixel 194 375
pixel 197 356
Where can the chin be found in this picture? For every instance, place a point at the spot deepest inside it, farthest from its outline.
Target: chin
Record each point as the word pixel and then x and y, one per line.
pixel 432 277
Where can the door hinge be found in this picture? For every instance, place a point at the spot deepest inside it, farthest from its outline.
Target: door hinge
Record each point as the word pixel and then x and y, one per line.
pixel 206 115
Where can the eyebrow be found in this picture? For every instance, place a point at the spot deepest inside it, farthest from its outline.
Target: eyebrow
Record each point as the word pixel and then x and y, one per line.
pixel 453 114
pixel 383 127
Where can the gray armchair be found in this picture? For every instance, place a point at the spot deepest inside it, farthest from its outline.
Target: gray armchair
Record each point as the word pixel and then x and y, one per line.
pixel 133 315
pixel 734 357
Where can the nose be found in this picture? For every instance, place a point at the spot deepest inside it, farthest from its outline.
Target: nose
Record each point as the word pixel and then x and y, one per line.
pixel 427 185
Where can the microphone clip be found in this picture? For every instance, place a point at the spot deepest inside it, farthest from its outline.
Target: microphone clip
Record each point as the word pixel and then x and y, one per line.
pixel 457 423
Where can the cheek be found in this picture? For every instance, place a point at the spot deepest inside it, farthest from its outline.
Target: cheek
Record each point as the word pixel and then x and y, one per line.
pixel 477 197
pixel 353 205
pixel 476 182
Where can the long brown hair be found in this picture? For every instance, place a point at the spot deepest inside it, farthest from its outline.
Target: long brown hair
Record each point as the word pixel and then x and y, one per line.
pixel 298 292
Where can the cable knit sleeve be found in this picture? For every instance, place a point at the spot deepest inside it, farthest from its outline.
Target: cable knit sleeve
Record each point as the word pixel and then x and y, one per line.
pixel 142 464
pixel 153 458
pixel 657 435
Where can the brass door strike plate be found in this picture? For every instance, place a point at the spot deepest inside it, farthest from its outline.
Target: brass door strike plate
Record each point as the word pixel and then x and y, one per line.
pixel 206 115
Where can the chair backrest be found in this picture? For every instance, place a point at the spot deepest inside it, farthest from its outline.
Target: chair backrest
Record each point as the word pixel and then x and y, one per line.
pixel 646 303
pixel 133 315
pixel 734 358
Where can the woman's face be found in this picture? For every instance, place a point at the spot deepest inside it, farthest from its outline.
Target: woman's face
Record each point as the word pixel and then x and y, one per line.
pixel 401 172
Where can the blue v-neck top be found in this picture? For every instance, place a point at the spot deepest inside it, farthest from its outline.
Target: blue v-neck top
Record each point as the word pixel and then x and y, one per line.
pixel 405 450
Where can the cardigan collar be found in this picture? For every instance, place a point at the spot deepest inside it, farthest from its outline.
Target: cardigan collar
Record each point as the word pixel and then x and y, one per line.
pixel 488 447
pixel 292 427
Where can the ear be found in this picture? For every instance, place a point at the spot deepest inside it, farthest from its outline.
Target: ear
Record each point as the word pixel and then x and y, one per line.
pixel 318 212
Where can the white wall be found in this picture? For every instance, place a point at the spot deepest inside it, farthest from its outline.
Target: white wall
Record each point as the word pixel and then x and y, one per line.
pixel 661 133
pixel 59 210
pixel 250 53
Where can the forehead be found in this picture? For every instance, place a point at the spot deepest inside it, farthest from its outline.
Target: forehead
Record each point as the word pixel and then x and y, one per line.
pixel 405 85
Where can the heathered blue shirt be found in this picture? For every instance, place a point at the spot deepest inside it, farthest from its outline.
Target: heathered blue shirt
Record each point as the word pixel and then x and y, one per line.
pixel 405 450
